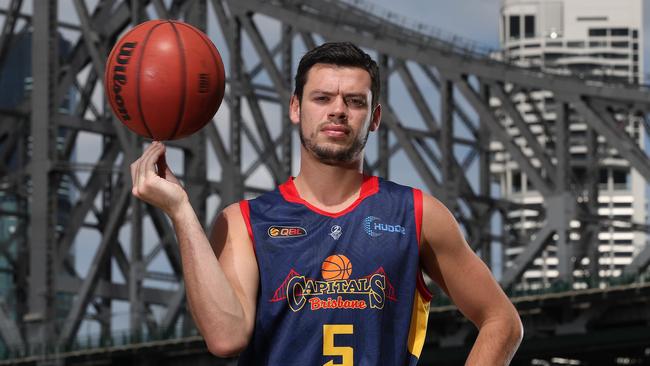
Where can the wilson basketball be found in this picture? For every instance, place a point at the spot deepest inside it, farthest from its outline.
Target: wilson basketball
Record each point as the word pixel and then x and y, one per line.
pixel 336 267
pixel 164 79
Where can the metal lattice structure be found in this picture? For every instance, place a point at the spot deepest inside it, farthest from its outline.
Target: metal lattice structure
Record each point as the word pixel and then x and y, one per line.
pixel 436 131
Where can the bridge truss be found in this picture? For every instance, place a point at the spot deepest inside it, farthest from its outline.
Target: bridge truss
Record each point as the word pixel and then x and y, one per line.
pixel 439 121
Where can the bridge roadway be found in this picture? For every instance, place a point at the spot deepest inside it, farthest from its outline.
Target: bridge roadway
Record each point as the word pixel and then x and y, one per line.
pixel 616 327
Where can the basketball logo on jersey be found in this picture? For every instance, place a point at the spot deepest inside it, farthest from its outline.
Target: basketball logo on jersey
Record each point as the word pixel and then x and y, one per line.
pixel 374 227
pixel 337 290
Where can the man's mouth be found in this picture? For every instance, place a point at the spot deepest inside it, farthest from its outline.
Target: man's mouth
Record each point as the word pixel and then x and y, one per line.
pixel 334 130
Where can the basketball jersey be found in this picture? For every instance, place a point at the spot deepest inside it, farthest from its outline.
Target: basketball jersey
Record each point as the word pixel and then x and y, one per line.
pixel 338 288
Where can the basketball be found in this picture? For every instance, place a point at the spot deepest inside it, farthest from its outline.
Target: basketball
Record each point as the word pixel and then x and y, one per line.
pixel 336 267
pixel 164 79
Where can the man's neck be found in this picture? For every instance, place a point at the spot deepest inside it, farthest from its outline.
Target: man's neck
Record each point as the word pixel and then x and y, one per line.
pixel 328 187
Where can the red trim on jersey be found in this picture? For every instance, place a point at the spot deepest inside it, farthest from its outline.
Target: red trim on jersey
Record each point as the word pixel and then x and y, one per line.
pixel 422 288
pixel 369 186
pixel 417 205
pixel 246 213
pixel 417 208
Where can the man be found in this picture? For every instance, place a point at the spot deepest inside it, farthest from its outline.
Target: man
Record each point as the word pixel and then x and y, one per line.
pixel 325 270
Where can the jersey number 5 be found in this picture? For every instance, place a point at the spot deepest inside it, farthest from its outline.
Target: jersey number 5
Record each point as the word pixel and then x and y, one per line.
pixel 346 353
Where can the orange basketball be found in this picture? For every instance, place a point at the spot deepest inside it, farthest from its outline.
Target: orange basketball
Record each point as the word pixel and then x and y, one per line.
pixel 164 79
pixel 336 267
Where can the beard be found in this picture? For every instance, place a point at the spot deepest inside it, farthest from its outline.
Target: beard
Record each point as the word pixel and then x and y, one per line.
pixel 333 156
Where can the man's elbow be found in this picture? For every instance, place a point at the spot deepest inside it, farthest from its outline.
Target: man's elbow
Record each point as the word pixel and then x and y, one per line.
pixel 226 347
pixel 517 329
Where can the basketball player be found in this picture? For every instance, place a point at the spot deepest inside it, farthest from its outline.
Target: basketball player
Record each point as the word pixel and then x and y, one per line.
pixel 326 269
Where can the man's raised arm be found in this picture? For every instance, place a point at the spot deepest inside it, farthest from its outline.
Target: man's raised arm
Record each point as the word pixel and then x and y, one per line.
pixel 220 274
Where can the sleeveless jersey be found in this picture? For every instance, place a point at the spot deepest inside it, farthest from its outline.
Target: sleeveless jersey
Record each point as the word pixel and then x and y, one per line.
pixel 338 288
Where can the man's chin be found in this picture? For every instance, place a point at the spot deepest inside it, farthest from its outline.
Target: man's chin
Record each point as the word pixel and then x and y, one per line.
pixel 335 156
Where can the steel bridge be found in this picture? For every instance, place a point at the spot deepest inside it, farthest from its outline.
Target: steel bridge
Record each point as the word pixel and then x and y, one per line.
pixel 65 183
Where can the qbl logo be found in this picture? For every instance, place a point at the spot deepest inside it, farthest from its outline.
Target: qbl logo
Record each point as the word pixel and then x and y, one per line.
pixel 374 227
pixel 286 231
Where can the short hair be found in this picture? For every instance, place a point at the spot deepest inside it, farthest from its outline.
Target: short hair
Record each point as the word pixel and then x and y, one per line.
pixel 339 54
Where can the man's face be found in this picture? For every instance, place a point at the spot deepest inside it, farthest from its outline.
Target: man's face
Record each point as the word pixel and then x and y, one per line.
pixel 335 113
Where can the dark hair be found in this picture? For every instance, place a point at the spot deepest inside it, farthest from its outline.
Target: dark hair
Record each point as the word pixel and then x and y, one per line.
pixel 340 54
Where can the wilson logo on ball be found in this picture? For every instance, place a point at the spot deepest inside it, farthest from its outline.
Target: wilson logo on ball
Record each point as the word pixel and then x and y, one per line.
pixel 286 231
pixel 119 77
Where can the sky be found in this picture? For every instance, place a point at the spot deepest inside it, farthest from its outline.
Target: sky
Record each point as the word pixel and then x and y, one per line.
pixel 472 19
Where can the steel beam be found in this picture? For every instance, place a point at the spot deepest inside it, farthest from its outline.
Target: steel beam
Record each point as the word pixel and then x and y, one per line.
pixel 540 183
pixel 449 179
pixel 11 16
pixel 114 220
pixel 520 263
pixel 423 170
pixel 614 133
pixel 10 332
pixel 42 207
pixel 416 95
pixel 531 140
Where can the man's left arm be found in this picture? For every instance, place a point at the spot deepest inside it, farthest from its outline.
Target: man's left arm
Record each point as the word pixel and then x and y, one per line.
pixel 452 264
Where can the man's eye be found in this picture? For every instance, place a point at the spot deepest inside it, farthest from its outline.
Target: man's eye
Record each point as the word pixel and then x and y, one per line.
pixel 321 99
pixel 358 102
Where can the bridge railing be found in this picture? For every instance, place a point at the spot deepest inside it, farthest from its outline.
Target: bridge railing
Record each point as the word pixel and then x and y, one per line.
pixel 117 339
pixel 562 287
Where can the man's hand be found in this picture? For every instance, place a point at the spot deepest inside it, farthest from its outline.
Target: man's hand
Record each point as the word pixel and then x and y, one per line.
pixel 153 181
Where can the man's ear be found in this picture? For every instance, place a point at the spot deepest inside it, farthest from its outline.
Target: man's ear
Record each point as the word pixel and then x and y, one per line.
pixel 376 118
pixel 294 109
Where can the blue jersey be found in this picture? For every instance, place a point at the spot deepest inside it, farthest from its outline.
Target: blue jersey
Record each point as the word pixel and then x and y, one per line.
pixel 339 288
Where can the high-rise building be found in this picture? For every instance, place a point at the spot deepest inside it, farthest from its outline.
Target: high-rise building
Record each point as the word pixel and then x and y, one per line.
pixel 591 39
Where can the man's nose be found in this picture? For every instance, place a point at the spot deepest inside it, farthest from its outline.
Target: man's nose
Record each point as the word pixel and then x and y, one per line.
pixel 339 109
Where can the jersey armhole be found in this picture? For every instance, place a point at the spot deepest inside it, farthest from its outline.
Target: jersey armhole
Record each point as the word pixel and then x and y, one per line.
pixel 418 211
pixel 246 214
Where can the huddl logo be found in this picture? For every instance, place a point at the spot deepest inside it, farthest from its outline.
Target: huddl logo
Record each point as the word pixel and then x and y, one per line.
pixel 374 227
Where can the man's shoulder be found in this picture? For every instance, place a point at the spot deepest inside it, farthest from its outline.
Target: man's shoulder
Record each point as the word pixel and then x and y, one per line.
pixel 266 196
pixel 390 184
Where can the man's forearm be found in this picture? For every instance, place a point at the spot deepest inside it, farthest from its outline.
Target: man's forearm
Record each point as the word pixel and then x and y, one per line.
pixel 496 343
pixel 212 300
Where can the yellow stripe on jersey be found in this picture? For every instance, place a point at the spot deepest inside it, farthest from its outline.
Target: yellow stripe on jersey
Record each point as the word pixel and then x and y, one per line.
pixel 418 328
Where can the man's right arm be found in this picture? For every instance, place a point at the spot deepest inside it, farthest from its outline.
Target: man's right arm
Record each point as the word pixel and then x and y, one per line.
pixel 220 273
pixel 221 278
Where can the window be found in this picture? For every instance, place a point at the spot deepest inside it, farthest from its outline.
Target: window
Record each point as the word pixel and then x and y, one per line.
pixel 635 34
pixel 576 44
pixel 620 32
pixel 603 176
pixel 553 44
pixel 597 44
pixel 619 44
pixel 516 182
pixel 620 177
pixel 514 27
pixel 529 26
pixel 597 32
